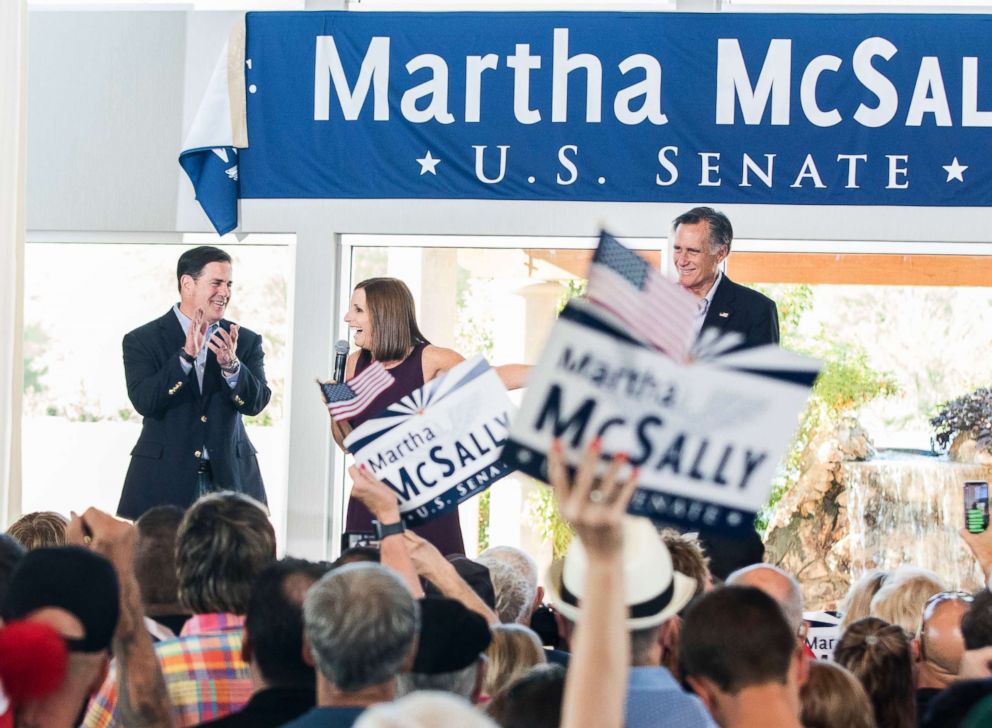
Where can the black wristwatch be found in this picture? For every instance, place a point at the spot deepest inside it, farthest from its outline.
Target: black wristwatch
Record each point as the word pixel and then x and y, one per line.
pixel 390 529
pixel 189 359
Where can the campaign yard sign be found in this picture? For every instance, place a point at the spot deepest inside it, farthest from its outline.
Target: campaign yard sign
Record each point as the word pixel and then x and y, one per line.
pixel 706 437
pixel 440 445
pixel 822 632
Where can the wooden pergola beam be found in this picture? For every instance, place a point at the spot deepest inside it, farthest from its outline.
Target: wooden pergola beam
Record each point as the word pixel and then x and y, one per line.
pixel 868 269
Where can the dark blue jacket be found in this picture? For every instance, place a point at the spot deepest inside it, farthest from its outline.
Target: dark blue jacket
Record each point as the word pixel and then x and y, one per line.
pixel 742 309
pixel 179 419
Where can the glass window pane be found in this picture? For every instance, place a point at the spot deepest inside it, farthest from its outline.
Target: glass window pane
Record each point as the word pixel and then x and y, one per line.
pixel 500 303
pixel 80 300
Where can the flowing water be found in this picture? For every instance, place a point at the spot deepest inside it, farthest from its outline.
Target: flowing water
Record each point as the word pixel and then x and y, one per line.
pixel 905 507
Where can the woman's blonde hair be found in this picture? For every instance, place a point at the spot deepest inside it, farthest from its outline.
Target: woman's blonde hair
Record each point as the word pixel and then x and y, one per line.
pixel 40 529
pixel 857 603
pixel 832 697
pixel 394 318
pixel 514 650
pixel 901 599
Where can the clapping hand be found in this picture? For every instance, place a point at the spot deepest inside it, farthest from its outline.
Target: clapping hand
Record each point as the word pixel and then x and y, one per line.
pixel 224 345
pixel 196 334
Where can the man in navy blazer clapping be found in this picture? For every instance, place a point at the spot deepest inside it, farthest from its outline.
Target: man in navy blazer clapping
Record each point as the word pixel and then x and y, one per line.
pixel 192 374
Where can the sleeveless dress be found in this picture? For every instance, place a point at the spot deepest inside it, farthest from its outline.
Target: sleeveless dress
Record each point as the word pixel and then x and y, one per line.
pixel 445 531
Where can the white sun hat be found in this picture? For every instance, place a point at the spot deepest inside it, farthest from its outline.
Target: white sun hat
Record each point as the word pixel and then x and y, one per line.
pixel 653 590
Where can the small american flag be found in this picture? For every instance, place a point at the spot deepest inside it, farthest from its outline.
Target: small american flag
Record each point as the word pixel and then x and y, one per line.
pixel 347 399
pixel 656 309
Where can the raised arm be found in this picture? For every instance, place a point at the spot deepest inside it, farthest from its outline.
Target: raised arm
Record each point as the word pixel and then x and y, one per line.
pixel 514 376
pixel 596 685
pixel 437 360
pixel 431 564
pixel 142 698
pixel 381 501
pixel 981 546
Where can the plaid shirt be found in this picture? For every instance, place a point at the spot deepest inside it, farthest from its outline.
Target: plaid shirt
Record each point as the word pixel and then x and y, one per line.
pixel 204 673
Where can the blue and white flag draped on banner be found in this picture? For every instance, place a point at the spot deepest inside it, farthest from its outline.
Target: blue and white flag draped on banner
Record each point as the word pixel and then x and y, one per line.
pixel 441 444
pixel 210 150
pixel 833 109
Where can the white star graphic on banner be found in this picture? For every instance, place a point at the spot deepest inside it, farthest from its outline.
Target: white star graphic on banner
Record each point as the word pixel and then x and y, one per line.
pixel 955 170
pixel 428 164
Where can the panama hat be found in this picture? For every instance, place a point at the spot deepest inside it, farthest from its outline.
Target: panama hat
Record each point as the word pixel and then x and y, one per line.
pixel 653 590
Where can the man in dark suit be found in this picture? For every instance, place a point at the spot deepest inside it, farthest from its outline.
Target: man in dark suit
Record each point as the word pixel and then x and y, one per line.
pixel 702 242
pixel 192 374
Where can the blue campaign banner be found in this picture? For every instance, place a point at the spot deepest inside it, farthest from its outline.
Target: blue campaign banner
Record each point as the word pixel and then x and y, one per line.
pixel 838 109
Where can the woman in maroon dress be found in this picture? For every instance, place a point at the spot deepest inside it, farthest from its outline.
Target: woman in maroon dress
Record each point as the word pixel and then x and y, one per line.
pixel 384 322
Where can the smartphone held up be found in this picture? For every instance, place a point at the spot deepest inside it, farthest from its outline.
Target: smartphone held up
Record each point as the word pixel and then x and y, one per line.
pixel 976 505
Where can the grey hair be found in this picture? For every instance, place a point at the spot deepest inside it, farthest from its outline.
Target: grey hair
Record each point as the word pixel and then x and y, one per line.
pixel 457 682
pixel 424 710
pixel 791 601
pixel 900 600
pixel 514 577
pixel 361 622
pixel 720 229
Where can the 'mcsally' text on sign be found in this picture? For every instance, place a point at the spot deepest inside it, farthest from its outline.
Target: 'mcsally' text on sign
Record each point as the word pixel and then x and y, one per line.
pixel 440 445
pixel 706 439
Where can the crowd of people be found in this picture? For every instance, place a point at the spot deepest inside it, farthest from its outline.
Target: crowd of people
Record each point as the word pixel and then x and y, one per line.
pixel 188 618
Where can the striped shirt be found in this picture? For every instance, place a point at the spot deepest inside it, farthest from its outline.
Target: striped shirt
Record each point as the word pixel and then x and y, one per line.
pixel 204 674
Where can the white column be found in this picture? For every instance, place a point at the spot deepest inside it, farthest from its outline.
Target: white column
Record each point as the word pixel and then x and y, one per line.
pixel 437 306
pixel 533 306
pixel 314 463
pixel 407 265
pixel 13 155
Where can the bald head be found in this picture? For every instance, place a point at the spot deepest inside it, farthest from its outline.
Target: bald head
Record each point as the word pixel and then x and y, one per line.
pixel 779 585
pixel 940 642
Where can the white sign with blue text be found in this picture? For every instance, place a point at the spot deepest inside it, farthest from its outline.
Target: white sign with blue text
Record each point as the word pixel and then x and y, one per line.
pixel 440 445
pixel 707 437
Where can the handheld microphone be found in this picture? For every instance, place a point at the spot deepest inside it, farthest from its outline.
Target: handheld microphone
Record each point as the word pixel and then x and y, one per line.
pixel 340 357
